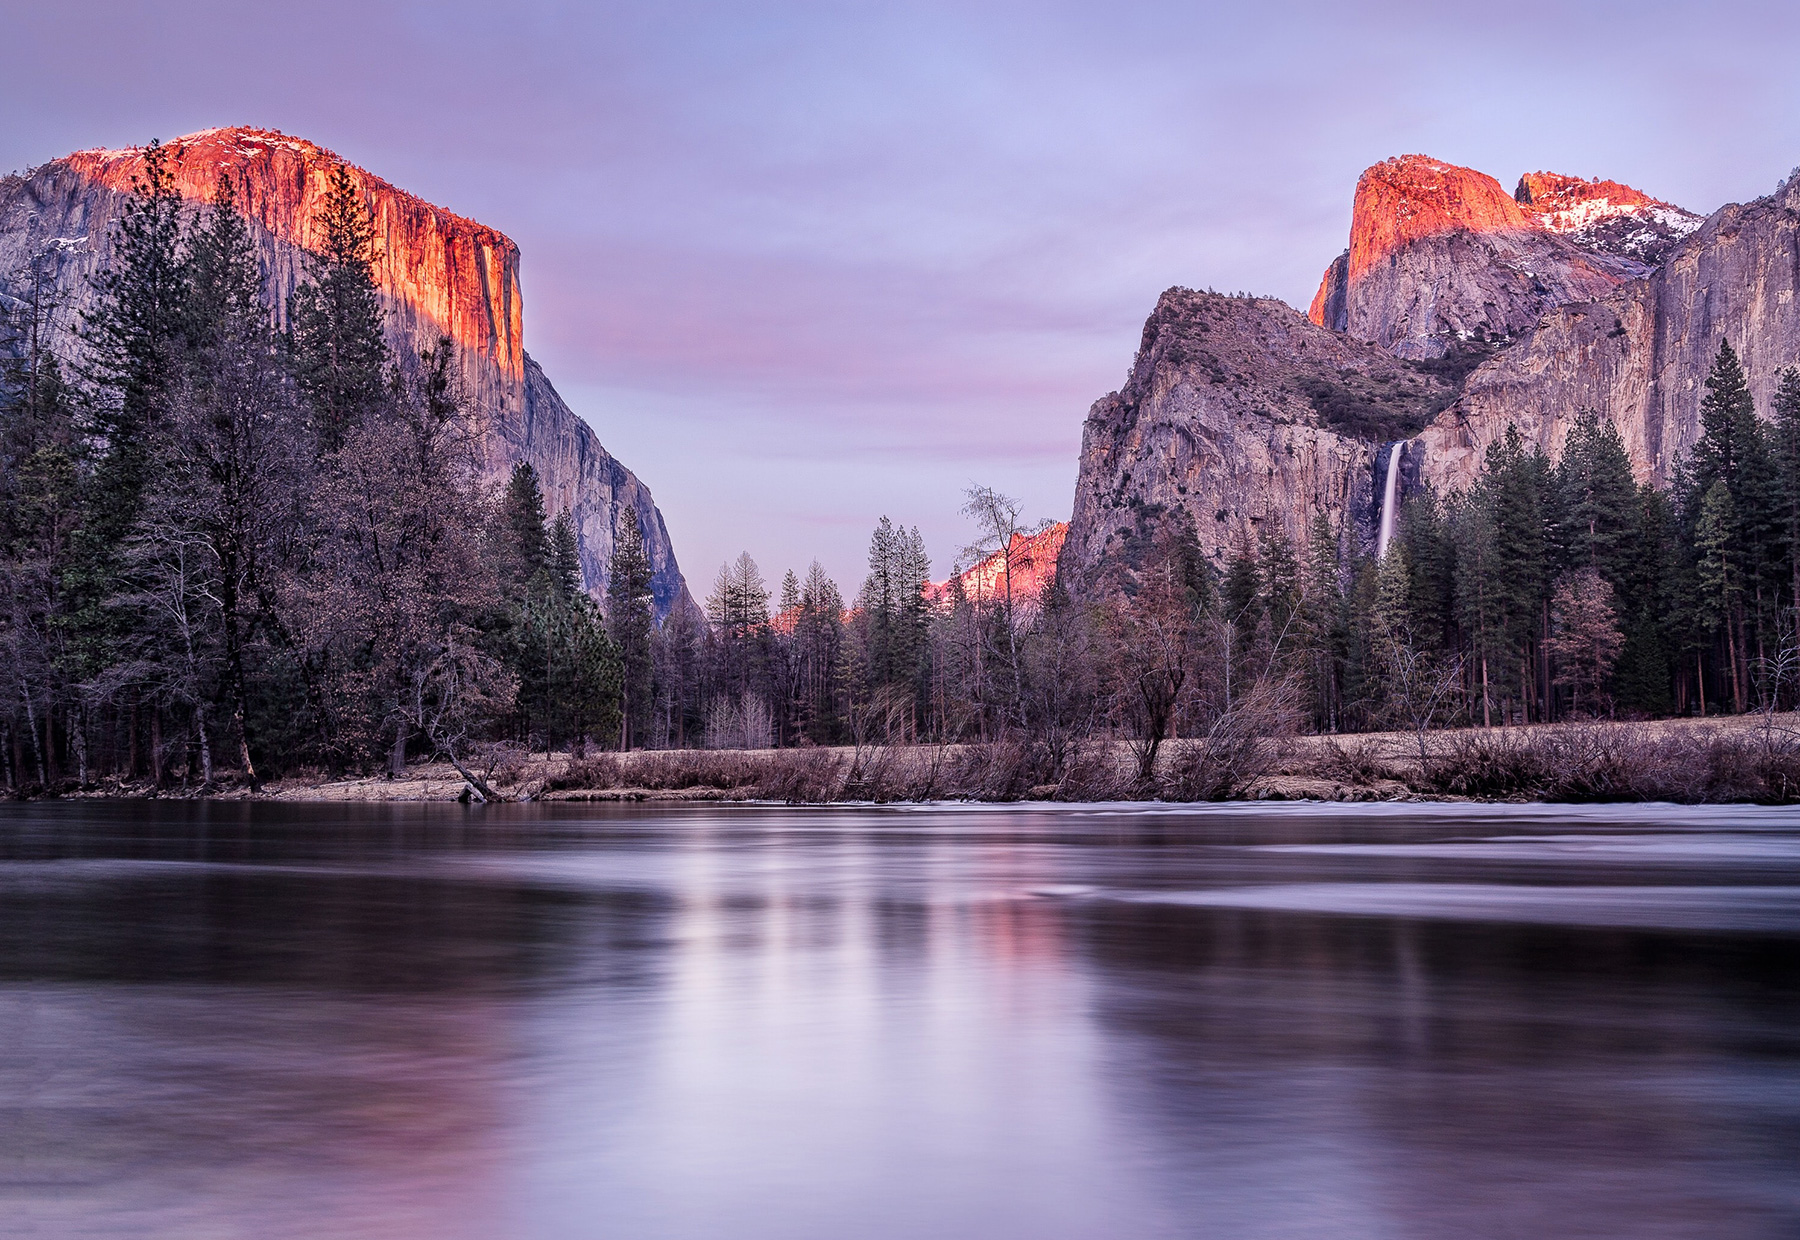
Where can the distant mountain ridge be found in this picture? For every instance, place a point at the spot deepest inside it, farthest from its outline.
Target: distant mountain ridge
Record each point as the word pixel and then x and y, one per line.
pixel 1031 560
pixel 439 274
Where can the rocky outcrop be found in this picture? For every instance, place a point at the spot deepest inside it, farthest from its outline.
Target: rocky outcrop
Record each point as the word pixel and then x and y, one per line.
pixel 1605 217
pixel 1329 305
pixel 1245 416
pixel 1440 253
pixel 1032 559
pixel 1641 354
pixel 439 274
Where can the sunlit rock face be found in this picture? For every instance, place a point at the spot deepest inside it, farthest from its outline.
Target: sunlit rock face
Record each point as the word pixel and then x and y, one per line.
pixel 439 274
pixel 1440 253
pixel 1605 217
pixel 1031 559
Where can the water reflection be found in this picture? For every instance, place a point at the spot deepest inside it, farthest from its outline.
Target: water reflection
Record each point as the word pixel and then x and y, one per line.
pixel 531 1021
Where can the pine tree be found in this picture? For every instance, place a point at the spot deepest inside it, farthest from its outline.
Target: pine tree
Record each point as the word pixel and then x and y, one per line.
pixel 1515 484
pixel 739 610
pixel 1585 639
pixel 39 513
pixel 629 622
pixel 1728 429
pixel 1479 614
pixel 1731 453
pixel 1720 577
pixel 819 638
pixel 1784 452
pixel 1430 559
pixel 1241 594
pixel 1325 636
pixel 1784 438
pixel 589 688
pixel 135 332
pixel 565 556
pixel 526 550
pixel 893 605
pixel 1278 587
pixel 134 338
pixel 334 316
pixel 1599 497
pixel 229 477
pixel 1646 601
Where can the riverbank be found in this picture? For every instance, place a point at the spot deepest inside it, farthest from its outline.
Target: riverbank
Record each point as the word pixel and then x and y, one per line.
pixel 1754 758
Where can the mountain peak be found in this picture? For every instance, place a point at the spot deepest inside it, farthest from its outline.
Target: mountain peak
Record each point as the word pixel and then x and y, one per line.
pixel 1604 216
pixel 1545 192
pixel 460 275
pixel 1440 251
pixel 1413 196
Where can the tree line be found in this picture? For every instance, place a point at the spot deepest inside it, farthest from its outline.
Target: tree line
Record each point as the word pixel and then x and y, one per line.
pixel 1545 590
pixel 244 538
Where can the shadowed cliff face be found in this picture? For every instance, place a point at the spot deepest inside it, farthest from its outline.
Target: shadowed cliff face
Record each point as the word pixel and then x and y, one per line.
pixel 1440 253
pixel 1246 416
pixel 440 275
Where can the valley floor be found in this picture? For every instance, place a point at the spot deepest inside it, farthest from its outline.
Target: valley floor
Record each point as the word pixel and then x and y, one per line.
pixel 1739 758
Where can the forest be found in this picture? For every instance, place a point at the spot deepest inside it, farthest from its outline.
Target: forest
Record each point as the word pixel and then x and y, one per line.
pixel 242 540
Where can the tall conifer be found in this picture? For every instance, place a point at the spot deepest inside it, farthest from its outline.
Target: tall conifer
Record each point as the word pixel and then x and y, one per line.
pixel 334 317
pixel 629 622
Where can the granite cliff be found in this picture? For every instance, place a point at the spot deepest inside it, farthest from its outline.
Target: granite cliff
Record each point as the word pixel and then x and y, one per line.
pixel 1440 254
pixel 1456 310
pixel 1247 416
pixel 439 275
pixel 1640 354
pixel 1033 559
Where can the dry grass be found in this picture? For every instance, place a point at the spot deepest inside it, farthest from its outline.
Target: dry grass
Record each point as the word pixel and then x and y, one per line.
pixel 1748 759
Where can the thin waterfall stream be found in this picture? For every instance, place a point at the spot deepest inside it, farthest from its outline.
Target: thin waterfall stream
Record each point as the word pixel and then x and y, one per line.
pixel 1388 489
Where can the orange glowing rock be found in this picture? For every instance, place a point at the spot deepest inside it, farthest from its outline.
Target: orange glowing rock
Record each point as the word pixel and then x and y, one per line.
pixel 1440 253
pixel 1548 192
pixel 1033 563
pixel 459 276
pixel 1414 196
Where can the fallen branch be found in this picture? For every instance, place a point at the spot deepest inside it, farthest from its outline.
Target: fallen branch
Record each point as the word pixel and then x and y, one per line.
pixel 477 785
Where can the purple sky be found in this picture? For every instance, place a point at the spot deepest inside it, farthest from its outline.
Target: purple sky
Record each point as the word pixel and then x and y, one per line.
pixel 802 264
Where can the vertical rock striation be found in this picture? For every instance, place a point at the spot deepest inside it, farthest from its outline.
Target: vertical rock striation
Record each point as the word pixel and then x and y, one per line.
pixel 1641 354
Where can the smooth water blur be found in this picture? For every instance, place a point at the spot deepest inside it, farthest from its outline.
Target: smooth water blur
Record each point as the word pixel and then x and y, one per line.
pixel 297 1021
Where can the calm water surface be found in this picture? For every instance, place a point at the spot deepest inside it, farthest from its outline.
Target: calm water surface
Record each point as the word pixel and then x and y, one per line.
pixel 517 1022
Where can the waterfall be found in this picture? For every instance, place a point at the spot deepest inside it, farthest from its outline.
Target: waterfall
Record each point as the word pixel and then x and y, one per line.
pixel 1387 501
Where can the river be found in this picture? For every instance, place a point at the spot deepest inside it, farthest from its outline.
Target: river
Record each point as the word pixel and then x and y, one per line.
pixel 523 1022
